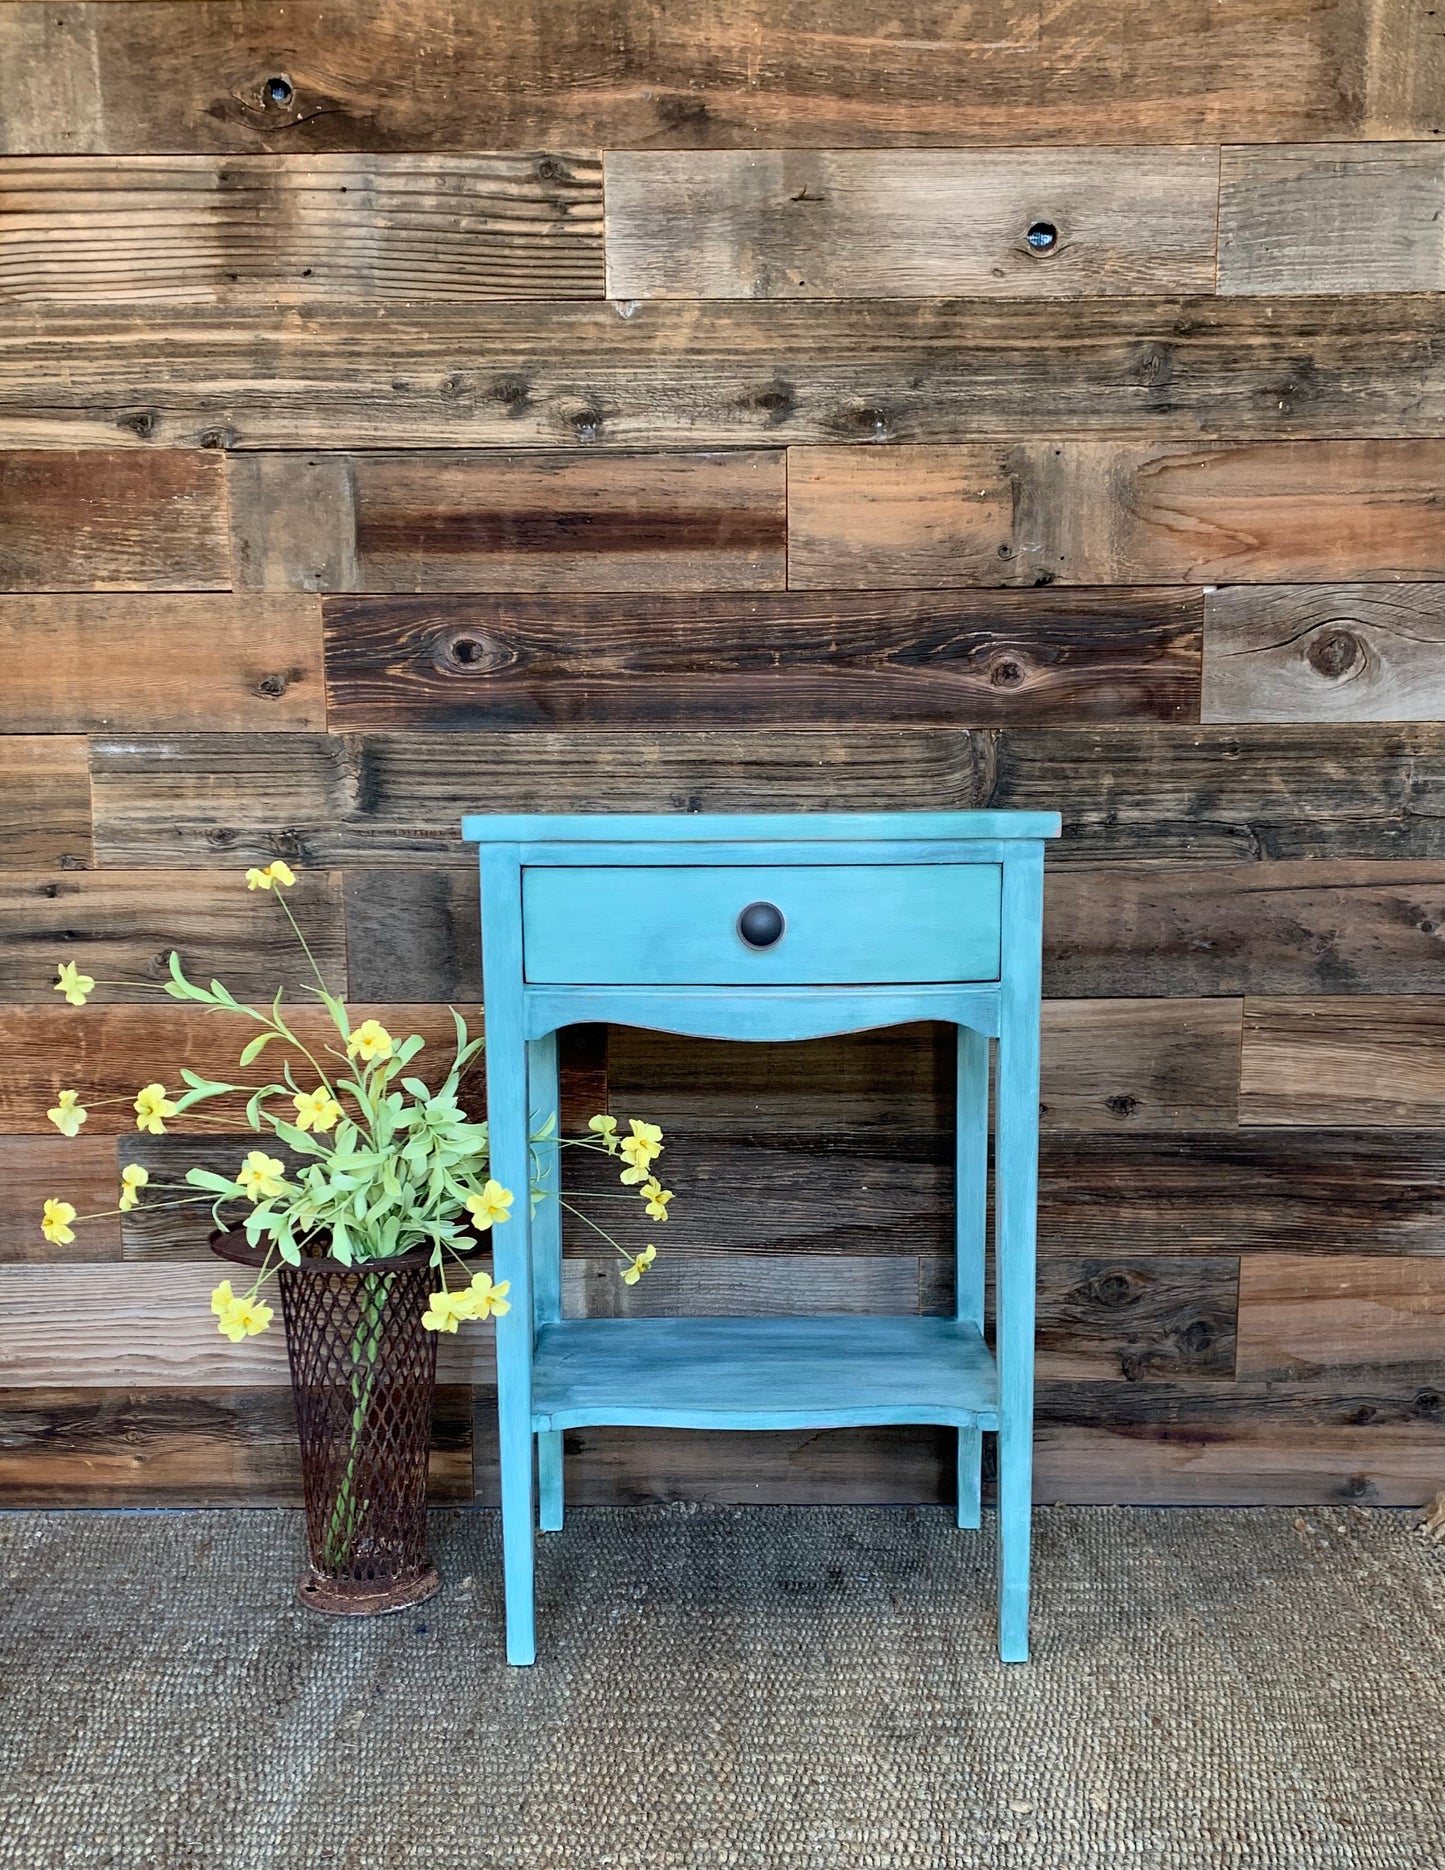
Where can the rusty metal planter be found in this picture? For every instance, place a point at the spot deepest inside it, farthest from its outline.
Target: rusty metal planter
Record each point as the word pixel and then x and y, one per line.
pixel 363 1374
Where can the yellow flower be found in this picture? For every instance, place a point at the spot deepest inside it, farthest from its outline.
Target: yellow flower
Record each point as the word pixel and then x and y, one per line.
pixel 484 1300
pixel 273 873
pixel 241 1318
pixel 370 1040
pixel 133 1179
pixel 73 984
pixel 656 1197
pixel 446 1308
pixel 606 1128
pixel 640 1149
pixel 490 1206
pixel 222 1299
pixel 151 1105
pixel 68 1114
pixel 55 1222
pixel 316 1110
pixel 634 1269
pixel 260 1176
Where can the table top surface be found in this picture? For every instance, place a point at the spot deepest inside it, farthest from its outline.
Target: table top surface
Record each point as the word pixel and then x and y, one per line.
pixel 748 827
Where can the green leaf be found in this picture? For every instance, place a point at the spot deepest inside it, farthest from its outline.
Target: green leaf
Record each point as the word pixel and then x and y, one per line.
pixel 253 1106
pixel 253 1048
pixel 290 1252
pixel 207 1178
pixel 546 1130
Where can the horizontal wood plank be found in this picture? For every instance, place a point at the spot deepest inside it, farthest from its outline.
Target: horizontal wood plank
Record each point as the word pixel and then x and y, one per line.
pixel 513 521
pixel 1141 1064
pixel 1334 218
pixel 80 1169
pixel 1325 653
pixel 265 229
pixel 1179 796
pixel 1316 1318
pixel 109 1052
pixel 1313 927
pixel 644 374
pixel 643 75
pixel 44 802
pixel 166 662
pixel 1099 513
pixel 112 520
pixel 1372 1059
pixel 793 659
pixel 910 223
pixel 413 932
pixel 120 927
pixel 169 1447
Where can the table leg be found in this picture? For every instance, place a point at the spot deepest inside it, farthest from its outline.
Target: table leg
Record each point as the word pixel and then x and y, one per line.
pixel 971 1224
pixel 542 1087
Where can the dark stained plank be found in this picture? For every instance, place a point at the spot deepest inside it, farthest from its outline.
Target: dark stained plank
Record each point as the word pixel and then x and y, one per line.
pixel 765 224
pixel 518 521
pixel 1179 796
pixel 1371 1059
pixel 643 74
pixel 1325 653
pixel 1136 1320
pixel 44 802
pixel 299 229
pixel 177 1447
pixel 659 374
pixel 1260 1191
pixel 120 926
pixel 1140 1064
pixel 79 1169
pixel 164 662
pixel 1277 928
pixel 1091 512
pixel 1242 1444
pixel 1314 1318
pixel 111 520
pixel 416 932
pixel 793 659
pixel 109 1052
pixel 1361 217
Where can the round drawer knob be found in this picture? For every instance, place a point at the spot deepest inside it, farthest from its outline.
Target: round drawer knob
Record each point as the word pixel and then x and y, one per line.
pixel 761 924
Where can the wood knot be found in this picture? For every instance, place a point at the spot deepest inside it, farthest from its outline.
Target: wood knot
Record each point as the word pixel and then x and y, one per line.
pixel 1334 653
pixel 1007 672
pixel 1121 1105
pixel 587 424
pixel 468 652
pixel 140 422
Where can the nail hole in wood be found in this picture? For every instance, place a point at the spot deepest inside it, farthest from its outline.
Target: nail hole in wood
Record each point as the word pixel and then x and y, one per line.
pixel 1042 237
pixel 277 92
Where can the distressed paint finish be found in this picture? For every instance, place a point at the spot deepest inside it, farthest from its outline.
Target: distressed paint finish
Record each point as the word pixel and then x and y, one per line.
pixel 545 912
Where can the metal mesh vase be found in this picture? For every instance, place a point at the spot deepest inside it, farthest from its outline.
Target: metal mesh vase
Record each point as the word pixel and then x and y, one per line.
pixel 363 1374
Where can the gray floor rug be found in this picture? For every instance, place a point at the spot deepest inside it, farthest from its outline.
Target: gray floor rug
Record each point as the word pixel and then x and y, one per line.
pixel 798 1687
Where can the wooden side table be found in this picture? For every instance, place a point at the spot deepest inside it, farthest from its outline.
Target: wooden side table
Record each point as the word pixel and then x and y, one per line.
pixel 768 928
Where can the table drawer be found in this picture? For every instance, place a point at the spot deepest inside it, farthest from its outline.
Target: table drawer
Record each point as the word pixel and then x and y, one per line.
pixel 810 924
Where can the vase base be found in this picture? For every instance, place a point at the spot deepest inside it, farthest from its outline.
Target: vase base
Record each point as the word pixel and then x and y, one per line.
pixel 340 1597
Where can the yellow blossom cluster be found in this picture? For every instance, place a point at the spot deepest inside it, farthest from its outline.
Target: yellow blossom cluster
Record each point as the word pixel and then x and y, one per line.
pixel 638 1150
pixel 240 1316
pixel 481 1299
pixel 271 875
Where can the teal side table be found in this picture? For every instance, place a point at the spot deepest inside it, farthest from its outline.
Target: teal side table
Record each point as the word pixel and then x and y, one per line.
pixel 768 928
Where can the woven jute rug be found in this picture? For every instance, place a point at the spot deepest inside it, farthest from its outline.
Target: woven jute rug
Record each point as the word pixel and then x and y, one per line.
pixel 801 1687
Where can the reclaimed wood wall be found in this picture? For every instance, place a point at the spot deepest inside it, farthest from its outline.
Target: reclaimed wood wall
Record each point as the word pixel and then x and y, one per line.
pixel 407 408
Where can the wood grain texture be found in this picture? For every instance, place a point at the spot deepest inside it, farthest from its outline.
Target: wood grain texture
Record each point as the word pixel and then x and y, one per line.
pixel 1332 653
pixel 1375 1059
pixel 517 521
pixel 1270 1191
pixel 1141 1064
pixel 44 802
pixel 1334 218
pixel 1099 513
pixel 267 229
pixel 909 223
pixel 151 1327
pixel 787 660
pixel 1273 928
pixel 120 927
pixel 160 663
pixel 1308 1319
pixel 108 1052
pixel 112 520
pixel 170 1447
pixel 637 374
pixel 83 1170
pixel 641 75
pixel 414 932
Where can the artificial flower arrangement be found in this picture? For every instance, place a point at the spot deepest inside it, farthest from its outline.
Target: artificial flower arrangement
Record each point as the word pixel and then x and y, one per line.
pixel 389 1165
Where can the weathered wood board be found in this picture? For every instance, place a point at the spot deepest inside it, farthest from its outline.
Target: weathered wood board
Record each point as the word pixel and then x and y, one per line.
pixel 112 520
pixel 1324 653
pixel 901 224
pixel 1372 1059
pixel 198 230
pixel 1303 1319
pixel 912 659
pixel 44 802
pixel 80 1169
pixel 162 663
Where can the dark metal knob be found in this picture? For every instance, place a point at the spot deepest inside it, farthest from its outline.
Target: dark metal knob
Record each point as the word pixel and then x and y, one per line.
pixel 761 924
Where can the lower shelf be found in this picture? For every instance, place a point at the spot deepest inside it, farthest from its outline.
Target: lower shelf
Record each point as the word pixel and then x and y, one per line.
pixel 761 1373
